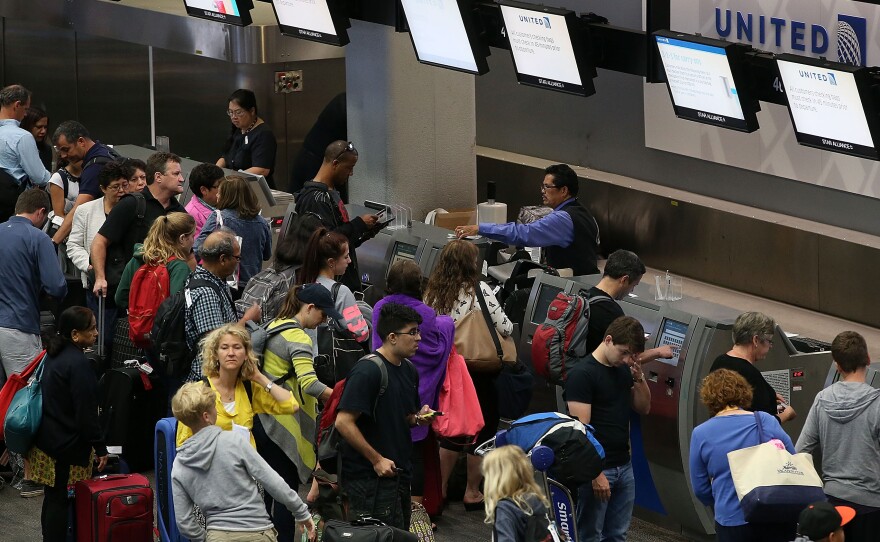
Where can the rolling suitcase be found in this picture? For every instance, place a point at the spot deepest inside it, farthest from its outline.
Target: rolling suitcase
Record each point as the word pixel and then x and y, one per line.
pixel 114 508
pixel 131 402
pixel 365 530
pixel 166 436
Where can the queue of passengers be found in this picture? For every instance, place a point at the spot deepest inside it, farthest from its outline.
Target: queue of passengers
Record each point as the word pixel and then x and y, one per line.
pixel 110 227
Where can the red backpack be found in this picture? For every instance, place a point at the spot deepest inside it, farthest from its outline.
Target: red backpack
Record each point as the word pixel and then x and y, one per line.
pixel 562 338
pixel 150 286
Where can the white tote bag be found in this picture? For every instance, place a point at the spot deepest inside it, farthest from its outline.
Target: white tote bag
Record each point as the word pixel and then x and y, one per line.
pixel 773 485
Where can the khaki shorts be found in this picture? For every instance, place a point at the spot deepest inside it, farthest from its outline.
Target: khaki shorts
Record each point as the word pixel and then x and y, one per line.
pixel 269 535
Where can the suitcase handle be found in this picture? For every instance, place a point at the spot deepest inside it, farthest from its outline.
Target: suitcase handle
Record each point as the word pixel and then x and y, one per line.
pixel 111 477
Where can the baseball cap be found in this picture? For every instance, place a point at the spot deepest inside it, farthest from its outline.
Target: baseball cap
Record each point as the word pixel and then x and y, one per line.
pixel 820 519
pixel 320 297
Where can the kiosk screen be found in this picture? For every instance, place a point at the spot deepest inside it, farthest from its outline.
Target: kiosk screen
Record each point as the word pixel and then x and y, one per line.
pixel 546 295
pixel 673 334
pixel 403 251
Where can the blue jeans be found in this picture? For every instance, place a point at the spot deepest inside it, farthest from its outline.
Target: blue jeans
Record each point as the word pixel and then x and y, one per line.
pixel 607 521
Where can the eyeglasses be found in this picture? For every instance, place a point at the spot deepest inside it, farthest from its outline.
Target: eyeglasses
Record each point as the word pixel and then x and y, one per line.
pixel 546 187
pixel 413 332
pixel 115 187
pixel 768 340
pixel 234 257
pixel 235 113
pixel 348 148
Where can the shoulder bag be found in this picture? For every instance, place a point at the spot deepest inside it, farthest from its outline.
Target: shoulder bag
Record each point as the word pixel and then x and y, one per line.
pixel 15 383
pixel 25 415
pixel 476 339
pixel 773 485
pixel 462 417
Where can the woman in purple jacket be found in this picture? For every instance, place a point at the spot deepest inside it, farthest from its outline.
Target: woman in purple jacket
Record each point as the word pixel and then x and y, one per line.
pixel 404 285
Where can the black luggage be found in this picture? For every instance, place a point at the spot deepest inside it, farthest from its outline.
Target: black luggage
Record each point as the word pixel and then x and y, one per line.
pixel 131 402
pixel 365 530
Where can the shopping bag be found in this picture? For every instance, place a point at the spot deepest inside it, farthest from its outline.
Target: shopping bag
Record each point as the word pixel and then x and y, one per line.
pixel 772 484
pixel 462 417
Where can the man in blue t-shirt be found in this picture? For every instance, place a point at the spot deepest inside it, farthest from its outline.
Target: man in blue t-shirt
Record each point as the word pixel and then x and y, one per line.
pixel 600 390
pixel 375 424
pixel 74 143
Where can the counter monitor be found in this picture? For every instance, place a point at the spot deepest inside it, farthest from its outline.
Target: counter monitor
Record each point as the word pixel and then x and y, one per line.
pixel 673 333
pixel 706 80
pixel 401 252
pixel 546 295
pixel 444 34
pixel 548 48
pixel 830 105
pixel 235 12
pixel 323 21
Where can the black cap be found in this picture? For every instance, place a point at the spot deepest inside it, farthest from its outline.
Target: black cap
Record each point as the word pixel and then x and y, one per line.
pixel 820 519
pixel 320 297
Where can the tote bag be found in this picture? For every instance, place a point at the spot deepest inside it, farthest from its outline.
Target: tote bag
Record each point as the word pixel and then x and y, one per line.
pixel 462 417
pixel 24 415
pixel 478 341
pixel 773 485
pixel 15 383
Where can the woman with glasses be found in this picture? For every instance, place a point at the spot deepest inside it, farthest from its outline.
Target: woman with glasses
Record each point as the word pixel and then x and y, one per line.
pixel 251 145
pixel 752 341
pixel 452 290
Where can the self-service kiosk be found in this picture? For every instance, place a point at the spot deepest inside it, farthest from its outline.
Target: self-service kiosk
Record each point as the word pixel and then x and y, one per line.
pixel 698 332
pixel 275 205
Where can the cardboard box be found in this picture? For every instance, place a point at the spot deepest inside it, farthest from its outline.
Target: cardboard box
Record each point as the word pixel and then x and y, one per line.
pixel 456 217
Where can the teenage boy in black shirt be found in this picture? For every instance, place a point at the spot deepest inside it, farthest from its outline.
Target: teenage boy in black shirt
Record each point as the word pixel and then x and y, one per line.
pixel 376 467
pixel 600 391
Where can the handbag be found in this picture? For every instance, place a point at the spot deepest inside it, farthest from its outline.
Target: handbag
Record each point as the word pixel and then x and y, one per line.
pixel 773 485
pixel 24 415
pixel 462 417
pixel 15 383
pixel 477 340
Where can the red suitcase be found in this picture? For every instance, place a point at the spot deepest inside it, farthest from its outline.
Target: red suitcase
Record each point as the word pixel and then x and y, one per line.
pixel 114 508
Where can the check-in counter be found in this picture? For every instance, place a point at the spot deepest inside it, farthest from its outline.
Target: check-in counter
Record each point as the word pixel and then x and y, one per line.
pixel 698 331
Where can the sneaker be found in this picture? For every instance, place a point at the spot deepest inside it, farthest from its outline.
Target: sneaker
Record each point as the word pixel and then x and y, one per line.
pixel 29 488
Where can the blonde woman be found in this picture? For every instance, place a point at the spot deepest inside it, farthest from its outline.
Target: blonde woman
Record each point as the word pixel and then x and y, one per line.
pixel 169 242
pixel 515 505
pixel 229 366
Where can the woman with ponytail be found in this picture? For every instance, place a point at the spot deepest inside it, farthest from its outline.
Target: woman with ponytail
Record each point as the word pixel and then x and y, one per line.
pixel 169 243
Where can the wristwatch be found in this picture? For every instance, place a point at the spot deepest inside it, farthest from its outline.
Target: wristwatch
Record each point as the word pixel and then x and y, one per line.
pixel 269 386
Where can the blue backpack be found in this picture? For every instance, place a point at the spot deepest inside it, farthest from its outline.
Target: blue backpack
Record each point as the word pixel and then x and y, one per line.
pixel 578 456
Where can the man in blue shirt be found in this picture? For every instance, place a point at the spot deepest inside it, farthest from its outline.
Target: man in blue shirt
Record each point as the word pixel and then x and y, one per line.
pixel 20 164
pixel 29 267
pixel 570 234
pixel 74 143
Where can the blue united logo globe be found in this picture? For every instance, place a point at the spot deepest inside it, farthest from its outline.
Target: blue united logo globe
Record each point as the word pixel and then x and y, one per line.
pixel 848 49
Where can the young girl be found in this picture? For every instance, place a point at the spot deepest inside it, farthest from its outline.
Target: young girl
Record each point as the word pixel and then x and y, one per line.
pixel 514 502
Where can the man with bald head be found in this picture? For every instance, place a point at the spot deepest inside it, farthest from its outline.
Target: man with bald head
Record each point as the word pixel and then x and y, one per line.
pixel 321 196
pixel 209 303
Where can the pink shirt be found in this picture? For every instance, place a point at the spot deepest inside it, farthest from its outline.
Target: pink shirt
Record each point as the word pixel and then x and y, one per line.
pixel 200 211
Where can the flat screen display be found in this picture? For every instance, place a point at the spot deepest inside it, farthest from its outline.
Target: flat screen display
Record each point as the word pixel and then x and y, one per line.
pixel 826 106
pixel 235 12
pixel 443 35
pixel 701 81
pixel 401 252
pixel 546 49
pixel 546 295
pixel 673 333
pixel 315 20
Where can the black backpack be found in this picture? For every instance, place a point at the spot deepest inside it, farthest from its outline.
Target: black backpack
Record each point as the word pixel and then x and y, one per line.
pixel 117 256
pixel 338 350
pixel 170 352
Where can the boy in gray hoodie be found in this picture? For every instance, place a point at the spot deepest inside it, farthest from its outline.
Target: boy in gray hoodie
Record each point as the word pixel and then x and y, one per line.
pixel 844 424
pixel 216 469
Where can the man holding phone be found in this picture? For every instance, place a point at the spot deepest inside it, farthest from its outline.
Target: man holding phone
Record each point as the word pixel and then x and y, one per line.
pixel 321 196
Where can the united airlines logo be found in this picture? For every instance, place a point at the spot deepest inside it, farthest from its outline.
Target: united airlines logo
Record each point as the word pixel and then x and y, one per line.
pixel 852 40
pixel 541 21
pixel 827 77
pixel 798 36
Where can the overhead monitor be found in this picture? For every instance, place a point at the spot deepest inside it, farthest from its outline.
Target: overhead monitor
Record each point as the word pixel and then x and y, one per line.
pixel 317 20
pixel 548 48
pixel 546 295
pixel 673 333
pixel 706 80
pixel 235 12
pixel 830 104
pixel 444 34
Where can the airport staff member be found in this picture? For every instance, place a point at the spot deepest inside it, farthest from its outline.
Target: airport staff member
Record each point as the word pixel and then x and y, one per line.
pixel 570 234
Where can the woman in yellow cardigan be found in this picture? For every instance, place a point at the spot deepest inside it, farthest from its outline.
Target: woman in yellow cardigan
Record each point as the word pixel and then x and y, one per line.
pixel 230 367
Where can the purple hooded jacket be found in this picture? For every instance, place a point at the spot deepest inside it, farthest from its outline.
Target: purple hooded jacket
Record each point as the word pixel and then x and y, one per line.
pixel 438 333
